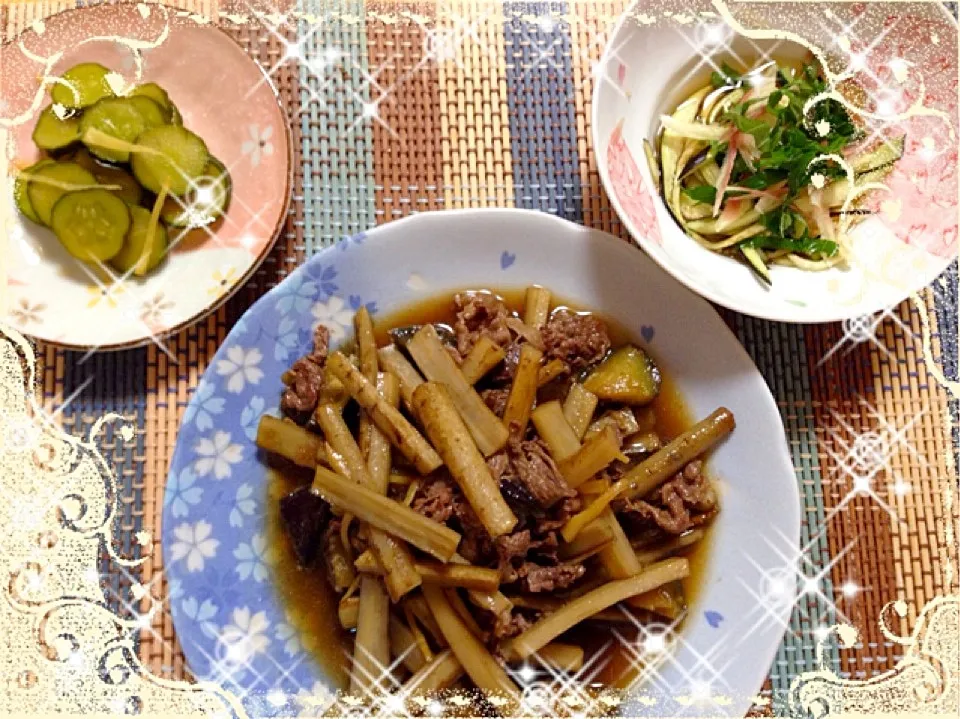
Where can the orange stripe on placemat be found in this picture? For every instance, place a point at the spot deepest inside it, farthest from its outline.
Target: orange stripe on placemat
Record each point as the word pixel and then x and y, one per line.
pixel 839 363
pixel 911 400
pixel 858 530
pixel 406 141
pixel 590 26
pixel 474 126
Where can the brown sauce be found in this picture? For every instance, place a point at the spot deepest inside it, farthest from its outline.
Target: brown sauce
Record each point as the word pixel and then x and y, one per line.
pixel 310 601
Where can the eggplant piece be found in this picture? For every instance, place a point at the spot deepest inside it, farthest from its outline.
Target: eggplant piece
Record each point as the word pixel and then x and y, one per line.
pixel 668 601
pixel 401 335
pixel 521 501
pixel 642 444
pixel 305 516
pixel 695 162
pixel 627 375
pixel 624 420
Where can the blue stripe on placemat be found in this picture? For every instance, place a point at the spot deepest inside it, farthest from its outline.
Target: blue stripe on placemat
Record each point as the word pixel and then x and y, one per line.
pixel 780 352
pixel 540 97
pixel 335 91
pixel 94 385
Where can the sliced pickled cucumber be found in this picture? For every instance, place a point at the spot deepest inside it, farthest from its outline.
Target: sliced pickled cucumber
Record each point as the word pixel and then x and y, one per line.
pixel 154 92
pixel 206 201
pixel 126 260
pixel 55 133
pixel 20 195
pixel 82 85
pixel 152 113
pixel 159 96
pixel 48 183
pixel 169 156
pixel 116 117
pixel 91 224
pixel 122 183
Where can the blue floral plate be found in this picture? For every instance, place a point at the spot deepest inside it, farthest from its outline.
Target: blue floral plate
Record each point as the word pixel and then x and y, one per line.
pixel 228 615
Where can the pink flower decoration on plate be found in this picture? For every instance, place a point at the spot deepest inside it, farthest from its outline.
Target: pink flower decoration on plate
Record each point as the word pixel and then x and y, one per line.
pixel 921 205
pixel 630 188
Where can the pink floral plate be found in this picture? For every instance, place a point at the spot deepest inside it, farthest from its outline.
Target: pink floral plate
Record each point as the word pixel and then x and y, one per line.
pixel 223 95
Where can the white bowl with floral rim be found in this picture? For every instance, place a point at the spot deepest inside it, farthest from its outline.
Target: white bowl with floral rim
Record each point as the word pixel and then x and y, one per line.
pixel 904 54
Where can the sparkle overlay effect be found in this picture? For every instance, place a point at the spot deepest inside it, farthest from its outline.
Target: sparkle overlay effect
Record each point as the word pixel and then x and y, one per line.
pixel 60 496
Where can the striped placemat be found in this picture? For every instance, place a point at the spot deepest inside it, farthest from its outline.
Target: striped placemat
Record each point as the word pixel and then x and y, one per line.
pixel 502 119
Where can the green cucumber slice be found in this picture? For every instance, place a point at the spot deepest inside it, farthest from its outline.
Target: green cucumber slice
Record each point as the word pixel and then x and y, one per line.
pixel 116 117
pixel 169 156
pixel 886 153
pixel 81 86
pixel 20 195
pixel 47 184
pixel 154 92
pixel 206 201
pixel 125 260
pixel 159 96
pixel 754 259
pixel 152 113
pixel 130 190
pixel 91 224
pixel 53 133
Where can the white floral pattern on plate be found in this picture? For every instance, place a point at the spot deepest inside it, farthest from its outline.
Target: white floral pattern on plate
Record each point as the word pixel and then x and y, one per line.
pixel 27 312
pixel 204 407
pixel 182 493
pixel 245 636
pixel 252 558
pixel 216 455
pixel 240 366
pixel 335 315
pixel 194 544
pixel 259 144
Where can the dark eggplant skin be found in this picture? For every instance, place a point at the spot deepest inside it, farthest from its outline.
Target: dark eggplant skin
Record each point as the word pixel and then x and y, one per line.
pixel 305 516
pixel 401 335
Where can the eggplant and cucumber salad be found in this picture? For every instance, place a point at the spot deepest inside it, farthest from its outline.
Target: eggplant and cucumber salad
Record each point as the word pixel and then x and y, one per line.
pixel 119 173
pixel 767 166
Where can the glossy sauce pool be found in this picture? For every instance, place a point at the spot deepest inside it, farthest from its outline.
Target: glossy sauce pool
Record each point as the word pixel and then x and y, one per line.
pixel 309 600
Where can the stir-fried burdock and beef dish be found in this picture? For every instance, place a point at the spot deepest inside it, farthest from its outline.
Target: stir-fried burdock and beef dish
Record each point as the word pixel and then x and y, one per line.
pixel 485 485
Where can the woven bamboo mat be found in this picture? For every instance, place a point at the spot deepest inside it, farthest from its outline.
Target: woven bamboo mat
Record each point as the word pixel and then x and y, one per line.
pixel 507 124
